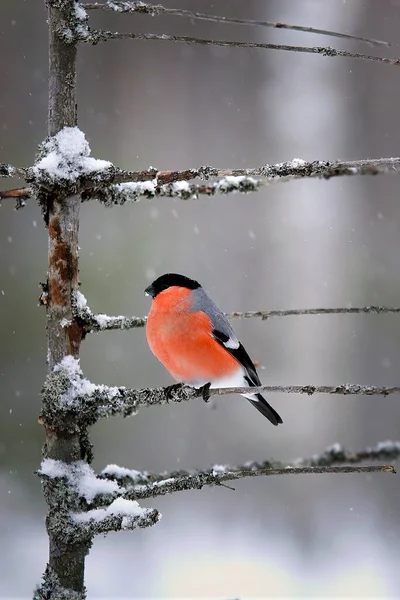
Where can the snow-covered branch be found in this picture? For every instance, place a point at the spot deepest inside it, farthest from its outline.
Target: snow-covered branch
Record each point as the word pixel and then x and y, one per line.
pixel 333 455
pixel 154 10
pixel 121 515
pixel 132 192
pixel 110 500
pixel 7 170
pixel 103 181
pixel 71 401
pixel 75 490
pixel 101 322
pixel 218 475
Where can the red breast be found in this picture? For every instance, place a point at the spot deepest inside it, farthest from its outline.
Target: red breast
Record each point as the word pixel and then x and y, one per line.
pixel 182 339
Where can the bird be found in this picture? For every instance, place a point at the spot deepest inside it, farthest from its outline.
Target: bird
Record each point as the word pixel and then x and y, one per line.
pixel 195 342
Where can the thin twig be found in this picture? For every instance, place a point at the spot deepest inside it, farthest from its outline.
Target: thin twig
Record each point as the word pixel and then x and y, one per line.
pixel 99 35
pixel 153 10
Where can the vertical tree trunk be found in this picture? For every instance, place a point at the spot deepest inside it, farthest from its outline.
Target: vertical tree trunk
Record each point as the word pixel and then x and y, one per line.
pixel 64 576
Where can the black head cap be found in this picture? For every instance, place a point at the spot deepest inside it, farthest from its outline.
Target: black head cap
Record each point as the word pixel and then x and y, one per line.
pixel 169 280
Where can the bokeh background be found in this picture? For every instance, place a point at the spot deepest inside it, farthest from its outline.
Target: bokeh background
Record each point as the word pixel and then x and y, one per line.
pixel 292 245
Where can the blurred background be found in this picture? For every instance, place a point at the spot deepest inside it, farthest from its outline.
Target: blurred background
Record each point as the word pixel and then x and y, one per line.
pixel 293 245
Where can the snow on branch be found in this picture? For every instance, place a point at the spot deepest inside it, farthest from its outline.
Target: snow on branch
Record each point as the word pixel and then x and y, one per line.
pixel 65 157
pixel 10 171
pixel 335 459
pixel 155 10
pixel 219 474
pixel 235 180
pixel 103 181
pixel 121 515
pixel 100 322
pixel 111 499
pixel 132 192
pixel 71 401
pixel 91 322
pixel 95 36
pixel 78 482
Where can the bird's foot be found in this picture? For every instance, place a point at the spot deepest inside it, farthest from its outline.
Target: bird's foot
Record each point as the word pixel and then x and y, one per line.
pixel 172 389
pixel 205 392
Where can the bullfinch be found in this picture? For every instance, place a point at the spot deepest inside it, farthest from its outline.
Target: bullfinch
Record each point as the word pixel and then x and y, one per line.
pixel 195 342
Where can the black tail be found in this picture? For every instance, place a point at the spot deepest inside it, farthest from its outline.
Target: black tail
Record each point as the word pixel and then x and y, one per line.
pixel 260 403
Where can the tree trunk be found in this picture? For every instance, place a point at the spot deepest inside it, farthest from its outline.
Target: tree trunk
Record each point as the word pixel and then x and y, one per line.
pixel 65 570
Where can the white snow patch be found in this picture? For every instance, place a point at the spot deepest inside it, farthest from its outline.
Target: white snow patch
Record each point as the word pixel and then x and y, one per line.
pixel 121 472
pixel 65 322
pixel 67 156
pixel 335 448
pixel 218 469
pixel 134 189
pixel 180 186
pixel 80 300
pixel 298 162
pixel 79 385
pixel 81 478
pixel 387 446
pixel 164 482
pixel 128 509
pixel 80 12
pixel 231 182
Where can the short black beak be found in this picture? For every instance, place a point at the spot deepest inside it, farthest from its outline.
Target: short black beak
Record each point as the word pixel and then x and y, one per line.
pixel 149 291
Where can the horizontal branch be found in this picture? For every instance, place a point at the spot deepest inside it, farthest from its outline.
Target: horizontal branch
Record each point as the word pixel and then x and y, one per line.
pixel 118 488
pixel 101 322
pixel 331 461
pixel 155 10
pixel 333 455
pixel 104 183
pixel 132 192
pixel 96 36
pixel 214 477
pixel 70 400
pixel 121 515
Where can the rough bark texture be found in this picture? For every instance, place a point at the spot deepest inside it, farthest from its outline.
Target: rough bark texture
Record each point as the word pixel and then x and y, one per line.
pixel 64 576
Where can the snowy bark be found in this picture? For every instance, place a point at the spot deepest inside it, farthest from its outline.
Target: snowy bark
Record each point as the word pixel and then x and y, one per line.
pixel 64 576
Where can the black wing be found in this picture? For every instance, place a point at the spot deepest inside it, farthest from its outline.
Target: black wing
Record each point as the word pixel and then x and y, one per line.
pixel 240 354
pixel 237 351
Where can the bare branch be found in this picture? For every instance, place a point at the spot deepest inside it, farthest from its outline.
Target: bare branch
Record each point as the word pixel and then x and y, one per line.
pixel 344 389
pixel 96 36
pixel 153 10
pixel 20 195
pixel 267 314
